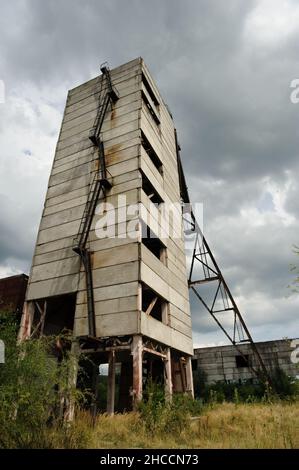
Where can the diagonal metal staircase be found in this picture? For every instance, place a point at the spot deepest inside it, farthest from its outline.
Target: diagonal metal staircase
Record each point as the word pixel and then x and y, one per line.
pixel 97 190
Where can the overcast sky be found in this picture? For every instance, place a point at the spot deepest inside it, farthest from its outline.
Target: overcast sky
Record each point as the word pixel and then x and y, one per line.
pixel 224 68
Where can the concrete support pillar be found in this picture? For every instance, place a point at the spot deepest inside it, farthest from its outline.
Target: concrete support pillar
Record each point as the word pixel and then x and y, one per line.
pixel 26 321
pixel 168 375
pixel 69 412
pixel 137 370
pixel 111 384
pixel 189 377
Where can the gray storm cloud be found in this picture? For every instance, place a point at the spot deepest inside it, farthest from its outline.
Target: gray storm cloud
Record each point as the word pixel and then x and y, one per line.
pixel 225 69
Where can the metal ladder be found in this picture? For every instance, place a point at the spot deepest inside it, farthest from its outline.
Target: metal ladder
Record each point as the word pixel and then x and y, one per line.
pixel 97 190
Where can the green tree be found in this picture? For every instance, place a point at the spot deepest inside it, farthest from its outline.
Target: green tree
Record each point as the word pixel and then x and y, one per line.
pixel 33 385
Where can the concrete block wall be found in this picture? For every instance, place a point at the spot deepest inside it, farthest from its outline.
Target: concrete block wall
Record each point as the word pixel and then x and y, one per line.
pixel 120 265
pixel 219 362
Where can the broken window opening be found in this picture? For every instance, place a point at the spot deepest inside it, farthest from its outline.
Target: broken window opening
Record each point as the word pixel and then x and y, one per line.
pixel 151 153
pixel 150 100
pixel 154 305
pixel 150 191
pixel 151 109
pixel 153 243
pixel 150 91
pixel 242 361
pixel 59 314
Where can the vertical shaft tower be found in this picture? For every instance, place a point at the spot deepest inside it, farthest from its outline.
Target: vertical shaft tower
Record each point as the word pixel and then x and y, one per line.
pixel 109 263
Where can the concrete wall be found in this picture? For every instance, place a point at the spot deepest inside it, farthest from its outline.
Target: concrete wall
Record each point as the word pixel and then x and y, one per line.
pixel 119 265
pixel 169 280
pixel 12 293
pixel 219 363
pixel 55 267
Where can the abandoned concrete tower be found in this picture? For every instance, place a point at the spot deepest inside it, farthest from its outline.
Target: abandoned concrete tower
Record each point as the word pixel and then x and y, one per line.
pixel 109 262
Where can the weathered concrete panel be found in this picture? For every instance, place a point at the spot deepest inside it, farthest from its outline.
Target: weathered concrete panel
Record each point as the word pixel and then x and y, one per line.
pixel 112 275
pixel 120 264
pixel 110 292
pixel 107 307
pixel 57 286
pixel 154 329
pixel 117 324
pixel 55 269
pixel 219 363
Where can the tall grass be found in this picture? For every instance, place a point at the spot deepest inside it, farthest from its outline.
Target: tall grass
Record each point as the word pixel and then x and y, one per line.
pixel 223 425
pixel 33 389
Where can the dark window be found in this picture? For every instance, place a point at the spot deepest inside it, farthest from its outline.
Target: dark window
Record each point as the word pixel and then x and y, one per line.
pixel 149 190
pixel 59 313
pixel 150 90
pixel 242 361
pixel 154 305
pixel 150 100
pixel 153 113
pixel 151 153
pixel 153 243
pixel 194 364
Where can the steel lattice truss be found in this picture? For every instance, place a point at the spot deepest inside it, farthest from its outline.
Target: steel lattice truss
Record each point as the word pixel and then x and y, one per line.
pixel 205 272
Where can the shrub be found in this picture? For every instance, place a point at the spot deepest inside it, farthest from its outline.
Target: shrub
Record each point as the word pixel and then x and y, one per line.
pixel 283 386
pixel 168 417
pixel 32 388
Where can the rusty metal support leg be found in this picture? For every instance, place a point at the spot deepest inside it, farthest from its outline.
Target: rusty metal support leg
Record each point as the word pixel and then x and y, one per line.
pixel 182 365
pixel 26 321
pixel 189 377
pixel 137 370
pixel 111 384
pixel 168 375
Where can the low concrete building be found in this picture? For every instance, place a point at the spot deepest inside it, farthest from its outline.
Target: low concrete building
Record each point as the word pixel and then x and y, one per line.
pixel 12 293
pixel 225 363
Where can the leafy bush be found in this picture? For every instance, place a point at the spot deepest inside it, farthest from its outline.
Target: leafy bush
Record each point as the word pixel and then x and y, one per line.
pixel 283 386
pixel 33 388
pixel 159 415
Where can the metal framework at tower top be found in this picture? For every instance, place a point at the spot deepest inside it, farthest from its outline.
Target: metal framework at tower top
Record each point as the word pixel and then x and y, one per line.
pixel 204 270
pixel 97 190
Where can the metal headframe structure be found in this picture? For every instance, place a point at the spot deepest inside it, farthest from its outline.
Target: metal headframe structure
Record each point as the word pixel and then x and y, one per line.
pixel 217 298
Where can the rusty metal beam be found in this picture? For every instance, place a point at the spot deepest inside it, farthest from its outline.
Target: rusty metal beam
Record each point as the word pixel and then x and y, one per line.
pixel 107 349
pixel 153 351
pixel 168 375
pixel 26 321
